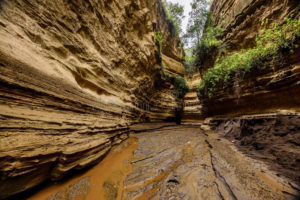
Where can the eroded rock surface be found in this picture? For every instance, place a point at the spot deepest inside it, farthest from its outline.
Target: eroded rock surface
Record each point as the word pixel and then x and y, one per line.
pixel 242 18
pixel 73 76
pixel 262 91
pixel 259 114
pixel 193 107
pixel 187 163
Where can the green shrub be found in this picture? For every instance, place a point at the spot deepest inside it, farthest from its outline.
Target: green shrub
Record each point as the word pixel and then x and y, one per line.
pixel 180 85
pixel 175 14
pixel 189 69
pixel 189 61
pixel 209 43
pixel 159 38
pixel 212 35
pixel 269 43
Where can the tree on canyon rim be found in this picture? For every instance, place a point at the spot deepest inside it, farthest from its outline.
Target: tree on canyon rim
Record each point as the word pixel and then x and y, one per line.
pixel 192 37
pixel 175 13
pixel 196 23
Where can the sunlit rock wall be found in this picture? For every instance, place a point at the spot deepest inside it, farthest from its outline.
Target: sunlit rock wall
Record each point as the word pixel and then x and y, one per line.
pixel 73 76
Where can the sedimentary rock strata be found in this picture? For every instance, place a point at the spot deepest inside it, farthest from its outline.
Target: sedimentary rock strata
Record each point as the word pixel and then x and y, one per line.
pixel 263 90
pixel 73 76
pixel 193 109
pixel 260 113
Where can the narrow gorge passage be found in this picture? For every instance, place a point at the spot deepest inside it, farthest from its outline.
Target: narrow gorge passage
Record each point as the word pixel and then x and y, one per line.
pixel 167 161
pixel 114 100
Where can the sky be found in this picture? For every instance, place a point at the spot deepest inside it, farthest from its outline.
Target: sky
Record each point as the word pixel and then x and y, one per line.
pixel 187 9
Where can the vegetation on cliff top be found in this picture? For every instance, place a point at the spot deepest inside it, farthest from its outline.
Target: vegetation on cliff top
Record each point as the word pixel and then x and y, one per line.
pixel 192 38
pixel 174 12
pixel 196 23
pixel 189 60
pixel 209 43
pixel 270 43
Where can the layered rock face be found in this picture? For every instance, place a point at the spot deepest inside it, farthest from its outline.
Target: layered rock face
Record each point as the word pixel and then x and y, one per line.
pixel 172 53
pixel 260 114
pixel 242 19
pixel 193 109
pixel 265 90
pixel 74 75
pixel 262 91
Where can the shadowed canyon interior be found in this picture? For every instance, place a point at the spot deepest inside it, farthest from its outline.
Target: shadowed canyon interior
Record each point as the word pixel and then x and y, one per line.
pixel 89 108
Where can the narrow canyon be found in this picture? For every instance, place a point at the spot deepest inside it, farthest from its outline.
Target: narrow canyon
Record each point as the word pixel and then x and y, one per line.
pixel 96 101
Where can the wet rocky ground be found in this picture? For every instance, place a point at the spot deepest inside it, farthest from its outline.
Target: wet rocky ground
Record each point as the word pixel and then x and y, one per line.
pixel 170 162
pixel 186 162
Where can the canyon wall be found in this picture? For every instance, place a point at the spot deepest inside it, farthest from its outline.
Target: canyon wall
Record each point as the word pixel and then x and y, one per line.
pixel 74 75
pixel 262 91
pixel 259 114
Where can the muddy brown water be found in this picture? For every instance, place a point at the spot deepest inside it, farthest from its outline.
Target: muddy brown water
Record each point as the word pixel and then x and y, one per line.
pixel 174 162
pixel 104 181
